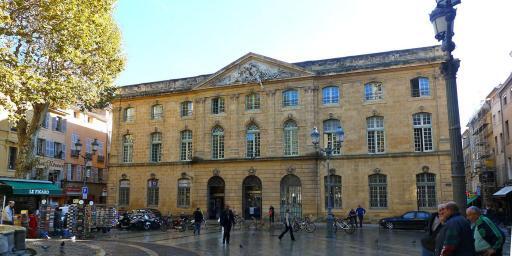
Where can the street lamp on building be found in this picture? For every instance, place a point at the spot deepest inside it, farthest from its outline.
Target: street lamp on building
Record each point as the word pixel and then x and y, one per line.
pixel 327 152
pixel 87 158
pixel 442 17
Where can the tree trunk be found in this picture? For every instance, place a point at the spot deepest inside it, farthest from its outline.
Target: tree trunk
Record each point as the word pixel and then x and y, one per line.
pixel 27 127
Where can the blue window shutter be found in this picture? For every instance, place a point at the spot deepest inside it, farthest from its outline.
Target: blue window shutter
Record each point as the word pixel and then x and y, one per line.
pixel 69 171
pixel 54 123
pixel 64 123
pixel 47 120
pixel 63 156
pixel 47 148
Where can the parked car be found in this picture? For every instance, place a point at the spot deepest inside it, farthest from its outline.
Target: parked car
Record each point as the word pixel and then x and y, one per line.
pixel 145 219
pixel 155 212
pixel 409 220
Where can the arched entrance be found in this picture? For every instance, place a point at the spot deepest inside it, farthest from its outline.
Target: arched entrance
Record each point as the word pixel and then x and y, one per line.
pixel 291 196
pixel 216 187
pixel 252 197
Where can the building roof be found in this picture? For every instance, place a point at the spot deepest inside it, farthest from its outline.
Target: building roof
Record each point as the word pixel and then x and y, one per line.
pixel 357 63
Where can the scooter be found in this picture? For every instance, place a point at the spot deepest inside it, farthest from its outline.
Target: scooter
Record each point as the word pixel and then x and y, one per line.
pixel 124 222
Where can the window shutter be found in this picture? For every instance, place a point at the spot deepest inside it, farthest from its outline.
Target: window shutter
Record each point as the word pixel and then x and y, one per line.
pixel 64 124
pixel 63 155
pixel 68 172
pixel 47 120
pixel 47 148
pixel 415 87
pixel 54 123
pixel 78 172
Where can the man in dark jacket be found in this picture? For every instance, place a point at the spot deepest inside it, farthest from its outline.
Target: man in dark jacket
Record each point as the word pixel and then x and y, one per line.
pixel 198 220
pixel 227 220
pixel 428 243
pixel 455 237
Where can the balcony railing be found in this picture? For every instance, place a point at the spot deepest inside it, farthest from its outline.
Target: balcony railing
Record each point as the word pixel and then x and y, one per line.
pixel 101 159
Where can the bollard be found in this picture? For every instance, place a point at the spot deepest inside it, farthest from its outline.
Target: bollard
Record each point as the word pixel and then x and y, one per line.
pixel 19 239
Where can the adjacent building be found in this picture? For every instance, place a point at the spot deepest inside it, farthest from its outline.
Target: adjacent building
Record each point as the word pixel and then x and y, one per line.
pixel 241 136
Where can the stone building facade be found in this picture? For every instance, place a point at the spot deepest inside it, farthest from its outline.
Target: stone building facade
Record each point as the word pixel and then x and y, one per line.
pixel 241 136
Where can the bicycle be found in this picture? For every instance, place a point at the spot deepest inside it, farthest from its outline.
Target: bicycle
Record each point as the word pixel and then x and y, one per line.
pixel 239 222
pixel 344 224
pixel 305 224
pixel 256 224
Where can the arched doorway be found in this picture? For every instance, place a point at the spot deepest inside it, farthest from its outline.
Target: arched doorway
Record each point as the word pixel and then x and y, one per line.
pixel 216 187
pixel 291 196
pixel 252 197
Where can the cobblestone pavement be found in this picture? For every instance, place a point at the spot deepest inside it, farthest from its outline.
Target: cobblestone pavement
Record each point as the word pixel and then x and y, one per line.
pixel 371 240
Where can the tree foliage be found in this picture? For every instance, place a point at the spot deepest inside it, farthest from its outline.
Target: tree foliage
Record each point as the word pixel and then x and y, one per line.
pixel 55 54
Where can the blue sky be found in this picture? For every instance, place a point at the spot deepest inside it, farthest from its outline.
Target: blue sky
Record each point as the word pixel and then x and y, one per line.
pixel 165 39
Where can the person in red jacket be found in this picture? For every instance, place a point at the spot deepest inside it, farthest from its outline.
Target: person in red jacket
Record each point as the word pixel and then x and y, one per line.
pixel 32 226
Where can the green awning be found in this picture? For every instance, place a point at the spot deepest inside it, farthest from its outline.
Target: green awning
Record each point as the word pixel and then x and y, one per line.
pixel 471 199
pixel 31 187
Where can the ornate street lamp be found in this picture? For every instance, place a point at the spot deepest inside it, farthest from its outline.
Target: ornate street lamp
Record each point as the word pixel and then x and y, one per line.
pixel 442 17
pixel 87 157
pixel 327 152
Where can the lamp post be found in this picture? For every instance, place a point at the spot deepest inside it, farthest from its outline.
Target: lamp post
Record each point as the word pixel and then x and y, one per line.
pixel 442 17
pixel 328 152
pixel 87 158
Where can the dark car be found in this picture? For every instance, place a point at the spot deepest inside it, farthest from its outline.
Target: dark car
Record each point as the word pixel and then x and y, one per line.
pixel 409 220
pixel 155 212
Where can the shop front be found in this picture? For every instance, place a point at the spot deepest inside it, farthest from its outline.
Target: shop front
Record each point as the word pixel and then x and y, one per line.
pixel 27 194
pixel 503 204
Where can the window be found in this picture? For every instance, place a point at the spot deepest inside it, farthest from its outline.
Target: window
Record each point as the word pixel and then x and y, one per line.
pixel 217 105
pixel 41 147
pixel 426 190
pixel 153 192
pixel 58 124
pixel 409 215
pixel 330 95
pixel 252 101
pixel 183 193
pixel 420 87
pixel 186 145
pixel 330 139
pixel 129 114
pixel 157 112
pixel 504 100
pixel 186 108
pixel 90 119
pixel 127 148
pixel 253 141
pixel 373 91
pixel 335 191
pixel 46 121
pixel 13 152
pixel 422 126
pixel 217 143
pixel 507 131
pixel 378 191
pixel 57 150
pixel 290 98
pixel 124 192
pixel 291 139
pixel 375 134
pixel 156 147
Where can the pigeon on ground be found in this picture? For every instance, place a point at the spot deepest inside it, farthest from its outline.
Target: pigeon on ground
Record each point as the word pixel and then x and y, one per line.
pixel 241 246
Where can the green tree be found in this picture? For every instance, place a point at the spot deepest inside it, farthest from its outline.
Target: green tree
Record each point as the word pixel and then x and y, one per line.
pixel 55 54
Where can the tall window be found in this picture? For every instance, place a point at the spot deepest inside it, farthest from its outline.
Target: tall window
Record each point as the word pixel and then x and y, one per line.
pixel 153 192
pixel 290 98
pixel 291 139
pixel 157 112
pixel 330 95
pixel 186 145
pixel 420 87
pixel 217 105
pixel 186 108
pixel 373 91
pixel 375 134
pixel 41 147
pixel 426 189
pixel 252 101
pixel 335 191
pixel 218 143
pixel 124 192
pixel 156 147
pixel 378 191
pixel 330 139
pixel 253 141
pixel 422 125
pixel 13 152
pixel 183 193
pixel 127 148
pixel 129 114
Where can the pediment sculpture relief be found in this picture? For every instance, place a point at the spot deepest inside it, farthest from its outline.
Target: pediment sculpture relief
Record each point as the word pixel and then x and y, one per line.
pixel 254 72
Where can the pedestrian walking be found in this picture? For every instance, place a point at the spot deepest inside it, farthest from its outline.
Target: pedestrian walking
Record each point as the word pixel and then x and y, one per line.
pixel 287 225
pixel 428 243
pixel 271 214
pixel 352 216
pixel 198 219
pixel 227 220
pixel 455 237
pixel 8 214
pixel 360 211
pixel 488 237
pixel 57 222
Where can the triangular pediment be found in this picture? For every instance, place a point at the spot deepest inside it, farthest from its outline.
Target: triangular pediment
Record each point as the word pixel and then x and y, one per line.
pixel 254 68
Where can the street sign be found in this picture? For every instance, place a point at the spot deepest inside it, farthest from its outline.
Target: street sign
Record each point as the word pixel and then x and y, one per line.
pixel 85 191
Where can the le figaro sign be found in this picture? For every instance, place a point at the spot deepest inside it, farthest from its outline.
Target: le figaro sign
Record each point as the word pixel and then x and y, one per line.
pixel 38 192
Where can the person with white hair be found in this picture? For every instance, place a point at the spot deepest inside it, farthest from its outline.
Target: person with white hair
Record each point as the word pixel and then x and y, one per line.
pixel 8 214
pixel 455 238
pixel 488 237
